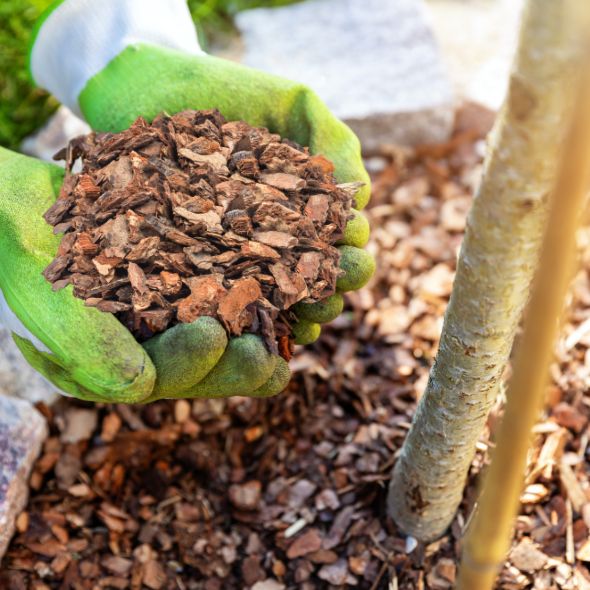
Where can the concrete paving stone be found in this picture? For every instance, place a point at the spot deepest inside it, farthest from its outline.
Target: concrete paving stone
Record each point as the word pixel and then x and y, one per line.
pixel 478 39
pixel 376 64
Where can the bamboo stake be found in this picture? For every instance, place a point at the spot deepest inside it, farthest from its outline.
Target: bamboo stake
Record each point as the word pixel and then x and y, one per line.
pixel 498 257
pixel 488 538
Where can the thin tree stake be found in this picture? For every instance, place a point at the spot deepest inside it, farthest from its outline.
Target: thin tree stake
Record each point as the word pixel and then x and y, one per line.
pixel 488 538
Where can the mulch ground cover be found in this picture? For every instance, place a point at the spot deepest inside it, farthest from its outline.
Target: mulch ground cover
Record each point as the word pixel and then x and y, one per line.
pixel 289 492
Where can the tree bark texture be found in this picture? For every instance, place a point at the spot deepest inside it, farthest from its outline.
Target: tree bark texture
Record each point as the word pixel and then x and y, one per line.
pixel 489 535
pixel 497 261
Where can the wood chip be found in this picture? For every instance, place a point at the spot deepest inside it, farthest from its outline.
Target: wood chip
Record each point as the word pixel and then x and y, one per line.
pixel 527 557
pixel 572 486
pixel 203 300
pixel 245 496
pixel 304 544
pixel 284 182
pixel 234 303
pixel 275 239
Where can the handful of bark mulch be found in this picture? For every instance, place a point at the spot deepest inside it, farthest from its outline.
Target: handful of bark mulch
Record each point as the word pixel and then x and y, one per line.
pixel 195 216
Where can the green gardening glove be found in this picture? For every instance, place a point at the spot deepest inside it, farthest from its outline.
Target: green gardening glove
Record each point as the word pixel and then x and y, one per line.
pixel 83 53
pixel 90 354
pixel 83 352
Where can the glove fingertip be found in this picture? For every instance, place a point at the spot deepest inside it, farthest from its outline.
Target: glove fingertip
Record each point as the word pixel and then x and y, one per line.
pixel 322 311
pixel 277 383
pixel 358 266
pixel 363 195
pixel 306 332
pixel 185 354
pixel 245 366
pixel 357 231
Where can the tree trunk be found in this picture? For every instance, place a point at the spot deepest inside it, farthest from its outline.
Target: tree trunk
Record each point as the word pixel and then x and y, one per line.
pixel 498 257
pixel 488 538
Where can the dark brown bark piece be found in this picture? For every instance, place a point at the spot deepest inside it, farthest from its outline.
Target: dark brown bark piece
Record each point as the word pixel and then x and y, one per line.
pixel 54 271
pixel 245 163
pixel 156 320
pixel 111 306
pixel 239 222
pixel 56 212
pixel 141 298
pixel 291 286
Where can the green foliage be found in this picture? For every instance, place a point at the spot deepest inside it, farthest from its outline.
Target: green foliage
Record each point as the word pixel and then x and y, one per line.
pixel 24 108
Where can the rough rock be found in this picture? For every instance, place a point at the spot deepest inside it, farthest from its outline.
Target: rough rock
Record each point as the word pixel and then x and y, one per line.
pixel 56 133
pixel 22 432
pixel 375 63
pixel 480 57
pixel 17 377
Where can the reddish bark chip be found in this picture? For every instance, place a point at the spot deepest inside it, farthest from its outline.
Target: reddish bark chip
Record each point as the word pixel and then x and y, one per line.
pixel 171 283
pixel 306 543
pixel 276 239
pixel 284 182
pixel 317 208
pixel 258 250
pixel 204 299
pixel 232 307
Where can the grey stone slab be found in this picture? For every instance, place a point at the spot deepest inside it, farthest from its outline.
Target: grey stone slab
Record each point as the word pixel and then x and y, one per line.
pixel 17 377
pixel 22 432
pixel 374 62
pixel 478 39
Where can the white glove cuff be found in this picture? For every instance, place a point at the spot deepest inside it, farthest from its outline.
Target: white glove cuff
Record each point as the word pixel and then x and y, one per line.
pixel 80 37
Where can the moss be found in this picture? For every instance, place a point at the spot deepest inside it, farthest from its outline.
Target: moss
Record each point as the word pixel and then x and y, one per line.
pixel 23 108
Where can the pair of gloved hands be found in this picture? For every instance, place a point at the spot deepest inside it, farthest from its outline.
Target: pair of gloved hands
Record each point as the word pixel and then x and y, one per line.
pixel 112 61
